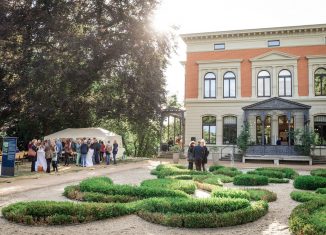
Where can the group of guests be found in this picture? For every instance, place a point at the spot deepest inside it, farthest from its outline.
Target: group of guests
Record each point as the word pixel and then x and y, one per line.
pixel 87 151
pixel 197 154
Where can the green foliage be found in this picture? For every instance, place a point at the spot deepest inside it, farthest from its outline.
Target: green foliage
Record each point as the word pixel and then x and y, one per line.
pixel 289 172
pixel 319 172
pixel 211 205
pixel 213 179
pixel 208 220
pixel 261 194
pixel 230 193
pixel 250 180
pixel 215 167
pixel 321 190
pixel 309 218
pixel 100 181
pixel 309 182
pixel 305 139
pixel 57 213
pixel 243 139
pixel 165 170
pixel 278 181
pixel 268 173
pixel 187 186
pixel 180 177
pixel 229 171
pixel 302 196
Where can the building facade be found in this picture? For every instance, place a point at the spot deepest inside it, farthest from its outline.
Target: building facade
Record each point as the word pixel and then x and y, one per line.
pixel 275 78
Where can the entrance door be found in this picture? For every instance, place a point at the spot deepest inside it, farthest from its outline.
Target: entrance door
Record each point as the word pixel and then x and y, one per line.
pixel 267 131
pixel 283 129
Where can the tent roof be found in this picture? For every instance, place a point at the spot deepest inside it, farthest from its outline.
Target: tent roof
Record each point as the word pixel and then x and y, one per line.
pixel 80 133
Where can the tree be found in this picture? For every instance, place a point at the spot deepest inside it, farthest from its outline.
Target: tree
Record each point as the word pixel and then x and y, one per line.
pixel 243 139
pixel 73 63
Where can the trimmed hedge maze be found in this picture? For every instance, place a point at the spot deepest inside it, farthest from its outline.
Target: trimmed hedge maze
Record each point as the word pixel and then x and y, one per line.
pixel 165 201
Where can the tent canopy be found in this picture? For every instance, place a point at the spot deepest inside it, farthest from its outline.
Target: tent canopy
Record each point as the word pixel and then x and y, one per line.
pixel 98 133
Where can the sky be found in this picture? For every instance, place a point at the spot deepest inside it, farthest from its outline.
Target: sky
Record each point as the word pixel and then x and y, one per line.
pixel 194 16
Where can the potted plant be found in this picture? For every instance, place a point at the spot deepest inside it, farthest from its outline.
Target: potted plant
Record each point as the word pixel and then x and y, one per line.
pixel 176 153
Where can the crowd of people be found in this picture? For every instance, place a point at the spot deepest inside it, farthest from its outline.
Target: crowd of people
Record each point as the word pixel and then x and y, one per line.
pixel 197 154
pixel 86 152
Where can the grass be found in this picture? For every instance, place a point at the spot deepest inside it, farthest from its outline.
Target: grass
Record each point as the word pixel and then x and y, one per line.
pixel 187 186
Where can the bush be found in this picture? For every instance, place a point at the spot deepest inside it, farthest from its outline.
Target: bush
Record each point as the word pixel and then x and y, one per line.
pixel 215 167
pixel 213 179
pixel 88 184
pixel 229 171
pixel 269 173
pixel 224 178
pixel 309 218
pixel 207 220
pixel 250 180
pixel 211 205
pixel 206 187
pixel 278 181
pixel 318 172
pixel 187 186
pixel 165 170
pixel 289 172
pixel 180 177
pixel 309 182
pixel 301 196
pixel 321 190
pixel 56 213
pixel 261 194
pixel 230 193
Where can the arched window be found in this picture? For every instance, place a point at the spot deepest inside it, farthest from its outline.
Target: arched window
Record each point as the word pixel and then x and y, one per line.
pixel 284 83
pixel 229 130
pixel 229 85
pixel 320 82
pixel 263 84
pixel 320 128
pixel 210 85
pixel 209 129
pixel 267 130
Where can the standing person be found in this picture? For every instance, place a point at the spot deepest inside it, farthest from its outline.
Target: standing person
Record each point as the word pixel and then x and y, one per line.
pixel 102 151
pixel 115 151
pixel 108 150
pixel 32 154
pixel 68 151
pixel 97 147
pixel 55 151
pixel 90 155
pixel 48 155
pixel 77 146
pixel 190 156
pixel 83 152
pixel 206 152
pixel 58 143
pixel 199 154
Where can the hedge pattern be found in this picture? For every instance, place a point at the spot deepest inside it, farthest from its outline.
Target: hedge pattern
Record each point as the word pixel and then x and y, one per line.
pixel 309 182
pixel 187 186
pixel 278 181
pixel 229 171
pixel 165 170
pixel 302 196
pixel 288 172
pixel 268 173
pixel 318 172
pixel 230 193
pixel 250 180
pixel 309 218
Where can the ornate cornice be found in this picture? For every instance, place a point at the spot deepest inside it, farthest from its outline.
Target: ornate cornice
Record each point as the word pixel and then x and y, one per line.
pixel 253 33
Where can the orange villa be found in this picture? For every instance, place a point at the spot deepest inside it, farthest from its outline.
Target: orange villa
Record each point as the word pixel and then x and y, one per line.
pixel 274 78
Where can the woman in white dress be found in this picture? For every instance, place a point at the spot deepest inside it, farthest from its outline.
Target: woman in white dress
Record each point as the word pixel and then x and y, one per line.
pixel 41 161
pixel 89 156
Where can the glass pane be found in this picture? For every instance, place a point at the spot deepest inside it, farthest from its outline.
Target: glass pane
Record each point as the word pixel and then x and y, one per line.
pixel 213 88
pixel 229 75
pixel 267 87
pixel 209 120
pixel 288 86
pixel 206 133
pixel 226 88
pixel 284 73
pixel 232 88
pixel 323 88
pixel 281 86
pixel 219 46
pixel 229 120
pixel 213 135
pixel 273 43
pixel 260 87
pixel 263 74
pixel 206 88
pixel 320 71
pixel 317 85
pixel 210 76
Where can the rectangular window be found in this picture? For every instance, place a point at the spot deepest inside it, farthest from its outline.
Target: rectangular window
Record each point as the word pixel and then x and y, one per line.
pixel 288 84
pixel 207 88
pixel 232 88
pixel 213 90
pixel 281 86
pixel 273 43
pixel 267 87
pixel 219 46
pixel 226 88
pixel 260 87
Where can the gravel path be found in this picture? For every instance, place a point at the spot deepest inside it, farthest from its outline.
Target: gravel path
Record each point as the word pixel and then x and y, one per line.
pixel 275 222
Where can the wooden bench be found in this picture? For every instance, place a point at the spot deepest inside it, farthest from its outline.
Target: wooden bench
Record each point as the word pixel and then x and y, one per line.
pixel 278 158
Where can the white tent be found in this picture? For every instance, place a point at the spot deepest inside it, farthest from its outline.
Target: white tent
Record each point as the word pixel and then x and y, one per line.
pixel 98 133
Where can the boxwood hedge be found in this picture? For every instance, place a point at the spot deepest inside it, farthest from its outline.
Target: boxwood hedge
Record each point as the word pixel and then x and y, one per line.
pixel 289 172
pixel 187 186
pixel 309 182
pixel 229 171
pixel 309 218
pixel 164 170
pixel 250 180
pixel 321 190
pixel 318 172
pixel 215 167
pixel 261 194
pixel 302 196
pixel 278 181
pixel 230 193
pixel 268 173
pixel 207 220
